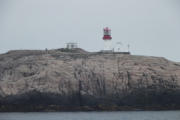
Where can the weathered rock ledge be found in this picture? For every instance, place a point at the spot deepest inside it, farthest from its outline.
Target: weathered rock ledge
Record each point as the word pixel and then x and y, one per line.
pixel 60 80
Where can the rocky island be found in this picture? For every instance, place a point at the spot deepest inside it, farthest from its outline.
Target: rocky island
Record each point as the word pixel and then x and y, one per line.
pixel 77 80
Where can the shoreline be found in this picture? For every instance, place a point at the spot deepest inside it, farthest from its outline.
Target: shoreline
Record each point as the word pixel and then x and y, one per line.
pixel 86 108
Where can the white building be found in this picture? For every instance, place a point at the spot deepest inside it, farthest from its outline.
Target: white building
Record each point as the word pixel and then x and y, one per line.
pixel 71 45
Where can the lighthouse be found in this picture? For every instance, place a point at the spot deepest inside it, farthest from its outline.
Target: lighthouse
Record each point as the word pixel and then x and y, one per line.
pixel 107 40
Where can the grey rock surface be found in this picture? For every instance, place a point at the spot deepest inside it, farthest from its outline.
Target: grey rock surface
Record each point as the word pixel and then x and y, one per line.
pixel 67 72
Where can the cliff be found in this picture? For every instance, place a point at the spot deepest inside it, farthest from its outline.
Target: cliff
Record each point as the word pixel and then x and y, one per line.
pixel 35 80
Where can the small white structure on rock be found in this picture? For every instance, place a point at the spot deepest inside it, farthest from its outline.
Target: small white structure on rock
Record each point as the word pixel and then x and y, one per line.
pixel 71 45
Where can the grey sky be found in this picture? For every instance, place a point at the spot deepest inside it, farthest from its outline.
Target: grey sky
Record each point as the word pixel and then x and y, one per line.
pixel 151 27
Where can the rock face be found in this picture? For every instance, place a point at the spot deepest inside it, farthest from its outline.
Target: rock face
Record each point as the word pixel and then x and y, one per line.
pixel 68 79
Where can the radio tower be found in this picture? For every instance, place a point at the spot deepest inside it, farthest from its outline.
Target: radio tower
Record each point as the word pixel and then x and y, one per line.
pixel 107 39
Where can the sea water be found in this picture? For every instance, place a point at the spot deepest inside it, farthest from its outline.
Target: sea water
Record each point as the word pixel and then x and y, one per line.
pixel 127 115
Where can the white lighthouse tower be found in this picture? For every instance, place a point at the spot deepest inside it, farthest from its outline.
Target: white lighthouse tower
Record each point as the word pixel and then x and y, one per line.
pixel 107 40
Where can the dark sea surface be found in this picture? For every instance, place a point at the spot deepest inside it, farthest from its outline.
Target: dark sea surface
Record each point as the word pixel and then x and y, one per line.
pixel 138 115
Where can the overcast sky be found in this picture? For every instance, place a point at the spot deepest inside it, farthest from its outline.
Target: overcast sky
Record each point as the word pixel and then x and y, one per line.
pixel 151 27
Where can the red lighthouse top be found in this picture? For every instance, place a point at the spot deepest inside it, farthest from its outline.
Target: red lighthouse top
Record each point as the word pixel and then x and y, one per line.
pixel 107 34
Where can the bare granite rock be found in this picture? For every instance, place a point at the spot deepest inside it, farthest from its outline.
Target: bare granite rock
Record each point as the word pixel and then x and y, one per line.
pixel 79 78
